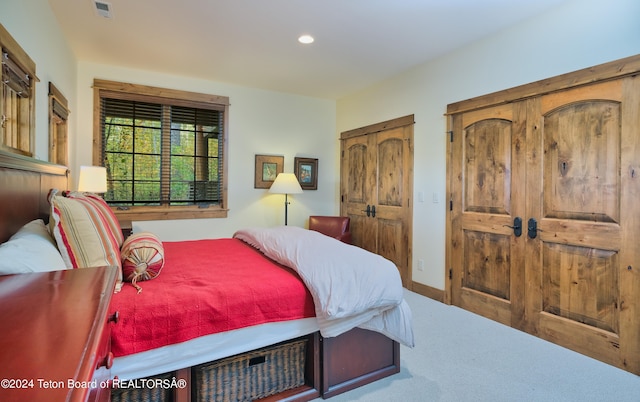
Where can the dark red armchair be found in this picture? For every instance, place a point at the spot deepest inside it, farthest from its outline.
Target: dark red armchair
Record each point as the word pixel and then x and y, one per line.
pixel 333 226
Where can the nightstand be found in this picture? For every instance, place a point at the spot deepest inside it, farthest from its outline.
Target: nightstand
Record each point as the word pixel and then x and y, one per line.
pixel 127 228
pixel 55 339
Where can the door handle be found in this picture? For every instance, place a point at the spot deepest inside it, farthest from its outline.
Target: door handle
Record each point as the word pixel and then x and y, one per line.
pixel 368 210
pixel 373 211
pixel 532 228
pixel 517 226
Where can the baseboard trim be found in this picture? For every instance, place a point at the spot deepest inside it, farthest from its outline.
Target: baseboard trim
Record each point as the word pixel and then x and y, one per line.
pixel 428 291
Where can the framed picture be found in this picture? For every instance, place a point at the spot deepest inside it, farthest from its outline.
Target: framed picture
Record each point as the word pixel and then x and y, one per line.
pixel 306 170
pixel 267 168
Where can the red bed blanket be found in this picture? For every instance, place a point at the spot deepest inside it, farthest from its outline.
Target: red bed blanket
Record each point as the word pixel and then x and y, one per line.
pixel 205 287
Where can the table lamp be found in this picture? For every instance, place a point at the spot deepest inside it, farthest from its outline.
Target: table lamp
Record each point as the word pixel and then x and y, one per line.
pixel 92 179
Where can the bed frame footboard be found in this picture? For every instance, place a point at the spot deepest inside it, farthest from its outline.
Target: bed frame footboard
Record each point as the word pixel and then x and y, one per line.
pixel 356 358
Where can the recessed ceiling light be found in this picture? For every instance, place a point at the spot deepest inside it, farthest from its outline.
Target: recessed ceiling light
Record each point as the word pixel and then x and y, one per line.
pixel 306 39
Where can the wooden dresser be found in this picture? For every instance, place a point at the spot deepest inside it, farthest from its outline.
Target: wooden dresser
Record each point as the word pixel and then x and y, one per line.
pixel 55 335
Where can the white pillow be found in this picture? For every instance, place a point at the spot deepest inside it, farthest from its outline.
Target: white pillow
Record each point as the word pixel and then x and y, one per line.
pixel 30 249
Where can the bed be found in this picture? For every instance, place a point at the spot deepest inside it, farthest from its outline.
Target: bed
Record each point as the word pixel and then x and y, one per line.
pixel 342 350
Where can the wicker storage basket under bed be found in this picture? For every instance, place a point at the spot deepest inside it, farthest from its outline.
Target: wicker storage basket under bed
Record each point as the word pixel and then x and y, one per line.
pixel 146 393
pixel 252 375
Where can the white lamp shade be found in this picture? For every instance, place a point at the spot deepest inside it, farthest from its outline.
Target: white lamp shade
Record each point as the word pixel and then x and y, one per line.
pixel 92 179
pixel 286 183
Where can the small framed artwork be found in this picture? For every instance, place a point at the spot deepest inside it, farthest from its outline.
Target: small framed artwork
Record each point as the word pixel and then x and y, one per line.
pixel 306 170
pixel 267 168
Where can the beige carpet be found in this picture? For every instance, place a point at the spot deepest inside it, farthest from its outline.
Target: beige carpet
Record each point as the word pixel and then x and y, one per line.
pixel 460 356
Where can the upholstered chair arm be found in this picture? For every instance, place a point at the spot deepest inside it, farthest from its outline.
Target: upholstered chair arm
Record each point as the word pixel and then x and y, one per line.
pixel 334 226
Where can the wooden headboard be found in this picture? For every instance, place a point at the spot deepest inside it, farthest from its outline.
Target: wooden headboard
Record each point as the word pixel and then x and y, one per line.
pixel 24 185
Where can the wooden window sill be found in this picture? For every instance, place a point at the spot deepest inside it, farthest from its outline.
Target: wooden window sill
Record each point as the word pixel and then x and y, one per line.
pixel 168 213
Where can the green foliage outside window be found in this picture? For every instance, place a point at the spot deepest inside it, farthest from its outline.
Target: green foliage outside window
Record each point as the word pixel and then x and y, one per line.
pixel 151 163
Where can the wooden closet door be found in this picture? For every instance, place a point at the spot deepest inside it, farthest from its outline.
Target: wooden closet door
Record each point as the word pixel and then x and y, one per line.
pixel 393 195
pixel 583 263
pixel 568 164
pixel 358 182
pixel 376 187
pixel 488 173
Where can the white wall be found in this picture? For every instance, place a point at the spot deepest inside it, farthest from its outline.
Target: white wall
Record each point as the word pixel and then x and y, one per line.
pixel 32 24
pixel 579 34
pixel 260 122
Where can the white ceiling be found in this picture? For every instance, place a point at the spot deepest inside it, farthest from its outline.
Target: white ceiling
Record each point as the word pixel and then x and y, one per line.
pixel 254 42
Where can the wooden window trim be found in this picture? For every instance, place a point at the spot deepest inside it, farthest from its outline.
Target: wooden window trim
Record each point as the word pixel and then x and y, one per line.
pixel 177 98
pixel 58 127
pixel 26 140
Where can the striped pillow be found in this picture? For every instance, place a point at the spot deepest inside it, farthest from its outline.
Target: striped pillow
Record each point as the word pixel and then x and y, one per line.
pixel 142 258
pixel 104 208
pixel 83 234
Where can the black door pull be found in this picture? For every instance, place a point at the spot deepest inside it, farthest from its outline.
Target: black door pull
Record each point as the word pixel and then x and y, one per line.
pixel 517 226
pixel 368 210
pixel 373 211
pixel 532 228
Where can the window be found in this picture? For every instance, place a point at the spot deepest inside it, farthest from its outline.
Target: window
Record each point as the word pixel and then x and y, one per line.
pixel 58 127
pixel 164 151
pixel 17 97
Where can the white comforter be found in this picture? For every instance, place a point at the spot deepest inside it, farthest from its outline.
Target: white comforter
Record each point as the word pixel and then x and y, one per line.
pixel 351 287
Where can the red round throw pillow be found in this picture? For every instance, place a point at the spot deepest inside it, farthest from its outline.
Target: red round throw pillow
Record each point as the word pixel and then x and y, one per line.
pixel 142 258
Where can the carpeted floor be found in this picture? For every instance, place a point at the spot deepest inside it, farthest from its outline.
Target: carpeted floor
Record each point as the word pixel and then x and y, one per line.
pixel 460 356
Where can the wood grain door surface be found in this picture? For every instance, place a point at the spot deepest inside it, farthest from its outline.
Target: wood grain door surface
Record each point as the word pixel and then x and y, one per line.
pixel 566 164
pixel 487 258
pixel 376 190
